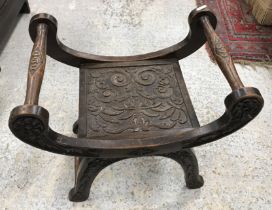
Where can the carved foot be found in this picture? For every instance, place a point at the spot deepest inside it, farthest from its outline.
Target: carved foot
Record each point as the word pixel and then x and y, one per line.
pixel 75 127
pixel 25 8
pixel 187 159
pixel 86 171
pixel 77 196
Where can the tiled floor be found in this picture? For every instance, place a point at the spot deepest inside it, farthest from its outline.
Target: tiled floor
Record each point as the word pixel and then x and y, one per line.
pixel 237 169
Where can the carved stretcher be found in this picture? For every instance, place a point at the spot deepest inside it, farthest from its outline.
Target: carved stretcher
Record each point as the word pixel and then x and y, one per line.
pixel 130 106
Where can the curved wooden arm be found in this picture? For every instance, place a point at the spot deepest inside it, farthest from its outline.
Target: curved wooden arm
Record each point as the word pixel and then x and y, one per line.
pixel 57 50
pixel 29 123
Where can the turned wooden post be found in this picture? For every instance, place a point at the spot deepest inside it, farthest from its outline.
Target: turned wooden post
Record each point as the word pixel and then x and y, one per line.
pixel 36 66
pixel 221 55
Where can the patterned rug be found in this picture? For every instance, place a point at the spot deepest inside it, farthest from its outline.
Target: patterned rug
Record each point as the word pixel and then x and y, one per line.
pixel 245 39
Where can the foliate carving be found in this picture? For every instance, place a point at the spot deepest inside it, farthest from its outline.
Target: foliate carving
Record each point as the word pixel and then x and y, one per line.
pixel 219 48
pixel 132 99
pixel 36 60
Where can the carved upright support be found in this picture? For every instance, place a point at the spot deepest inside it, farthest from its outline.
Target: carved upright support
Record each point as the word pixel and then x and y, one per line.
pixel 36 66
pixel 221 55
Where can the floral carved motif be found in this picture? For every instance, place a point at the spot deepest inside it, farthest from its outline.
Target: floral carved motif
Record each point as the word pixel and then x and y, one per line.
pixel 133 99
pixel 36 60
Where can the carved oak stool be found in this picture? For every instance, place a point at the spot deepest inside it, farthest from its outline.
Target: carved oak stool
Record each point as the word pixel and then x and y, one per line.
pixel 130 106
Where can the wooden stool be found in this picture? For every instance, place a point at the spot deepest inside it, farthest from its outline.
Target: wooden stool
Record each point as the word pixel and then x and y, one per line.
pixel 130 106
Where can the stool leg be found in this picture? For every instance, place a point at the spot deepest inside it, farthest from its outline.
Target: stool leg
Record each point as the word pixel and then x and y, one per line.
pixel 25 8
pixel 187 159
pixel 86 171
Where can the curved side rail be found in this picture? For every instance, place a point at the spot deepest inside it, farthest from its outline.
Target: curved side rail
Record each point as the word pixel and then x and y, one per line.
pixel 29 123
pixel 57 50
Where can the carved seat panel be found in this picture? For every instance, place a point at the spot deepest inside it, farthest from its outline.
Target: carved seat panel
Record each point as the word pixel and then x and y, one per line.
pixel 133 99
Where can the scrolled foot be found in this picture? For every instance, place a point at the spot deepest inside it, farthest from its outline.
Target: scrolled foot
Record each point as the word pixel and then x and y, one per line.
pixel 187 159
pixel 86 171
pixel 76 196
pixel 195 183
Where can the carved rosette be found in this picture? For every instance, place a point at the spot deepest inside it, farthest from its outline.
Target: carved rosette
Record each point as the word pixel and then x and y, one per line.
pixel 28 127
pixel 132 99
pixel 246 110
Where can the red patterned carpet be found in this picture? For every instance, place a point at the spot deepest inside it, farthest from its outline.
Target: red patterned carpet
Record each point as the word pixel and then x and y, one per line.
pixel 245 39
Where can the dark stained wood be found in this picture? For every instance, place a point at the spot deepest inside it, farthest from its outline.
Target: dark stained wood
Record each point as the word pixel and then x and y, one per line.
pixel 242 106
pixel 130 106
pixel 188 161
pixel 57 50
pixel 89 168
pixel 136 98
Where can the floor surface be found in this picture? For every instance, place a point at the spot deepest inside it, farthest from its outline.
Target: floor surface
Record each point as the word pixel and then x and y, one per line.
pixel 237 169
